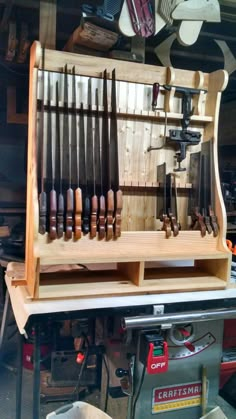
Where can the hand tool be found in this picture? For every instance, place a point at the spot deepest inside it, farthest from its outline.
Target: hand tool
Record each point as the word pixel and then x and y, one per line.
pixel 66 135
pixel 142 17
pixel 171 211
pixel 115 160
pixel 53 194
pixel 43 195
pixel 94 199
pixel 161 178
pixel 184 137
pixel 203 193
pixel 59 141
pixel 175 197
pixel 207 151
pixel 155 94
pixel 106 161
pixel 78 191
pixel 194 201
pixel 98 172
pixel 90 167
pixel 83 172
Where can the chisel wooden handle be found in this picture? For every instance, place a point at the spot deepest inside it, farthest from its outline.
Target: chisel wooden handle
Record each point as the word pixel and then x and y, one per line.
pixel 110 212
pixel 117 215
pixel 60 215
pixel 101 218
pixel 78 213
pixel 174 224
pixel 69 212
pixel 93 218
pixel 155 94
pixel 42 212
pixel 166 225
pixel 86 215
pixel 198 222
pixel 207 224
pixel 53 215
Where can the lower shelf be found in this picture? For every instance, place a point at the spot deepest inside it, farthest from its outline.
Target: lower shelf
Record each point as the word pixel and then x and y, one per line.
pixel 118 285
pixel 129 278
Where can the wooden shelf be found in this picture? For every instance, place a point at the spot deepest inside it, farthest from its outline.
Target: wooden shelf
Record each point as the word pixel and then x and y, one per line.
pixel 131 246
pixel 140 242
pixel 125 185
pixel 120 286
pixel 129 113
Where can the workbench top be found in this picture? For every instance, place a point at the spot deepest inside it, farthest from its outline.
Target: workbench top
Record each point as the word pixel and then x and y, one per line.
pixel 23 307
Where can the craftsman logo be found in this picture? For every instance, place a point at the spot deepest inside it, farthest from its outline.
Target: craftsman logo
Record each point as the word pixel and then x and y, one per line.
pixel 167 394
pixel 158 365
pixel 176 397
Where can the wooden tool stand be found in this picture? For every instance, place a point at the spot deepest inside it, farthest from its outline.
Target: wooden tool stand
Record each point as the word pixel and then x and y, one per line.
pixel 142 260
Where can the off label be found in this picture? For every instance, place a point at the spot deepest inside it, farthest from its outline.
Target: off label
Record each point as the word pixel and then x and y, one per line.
pixel 176 397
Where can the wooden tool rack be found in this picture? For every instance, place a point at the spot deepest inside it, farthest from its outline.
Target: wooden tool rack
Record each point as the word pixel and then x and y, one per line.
pixel 142 260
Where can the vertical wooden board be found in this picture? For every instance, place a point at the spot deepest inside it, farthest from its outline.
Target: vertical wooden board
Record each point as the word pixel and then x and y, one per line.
pixel 47 23
pixel 218 267
pixel 133 271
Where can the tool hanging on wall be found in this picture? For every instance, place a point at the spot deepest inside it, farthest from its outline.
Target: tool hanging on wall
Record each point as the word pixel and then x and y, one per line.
pixel 83 173
pixel 59 142
pixel 106 161
pixel 142 17
pixel 42 145
pixel 98 172
pixel 94 199
pixel 53 194
pixel 115 160
pixel 78 191
pixel 194 200
pixel 155 95
pixel 89 162
pixel 171 205
pixel 207 152
pixel 162 212
pixel 184 138
pixel 203 195
pixel 67 137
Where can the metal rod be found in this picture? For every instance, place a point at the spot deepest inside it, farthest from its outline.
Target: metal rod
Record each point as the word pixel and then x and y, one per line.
pixel 150 322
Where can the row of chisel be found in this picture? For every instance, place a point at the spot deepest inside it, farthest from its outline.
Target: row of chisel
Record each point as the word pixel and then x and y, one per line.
pixel 92 204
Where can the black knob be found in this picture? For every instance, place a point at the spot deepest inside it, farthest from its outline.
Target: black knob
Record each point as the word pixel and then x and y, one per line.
pixel 121 372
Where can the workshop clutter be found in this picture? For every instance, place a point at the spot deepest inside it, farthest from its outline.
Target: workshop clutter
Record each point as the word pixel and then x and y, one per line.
pixel 78 410
pixel 214 414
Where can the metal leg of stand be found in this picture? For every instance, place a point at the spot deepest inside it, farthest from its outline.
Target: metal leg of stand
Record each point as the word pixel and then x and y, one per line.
pixel 36 386
pixel 5 316
pixel 19 376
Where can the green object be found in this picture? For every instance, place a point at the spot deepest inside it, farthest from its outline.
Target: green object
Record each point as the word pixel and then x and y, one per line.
pixel 158 352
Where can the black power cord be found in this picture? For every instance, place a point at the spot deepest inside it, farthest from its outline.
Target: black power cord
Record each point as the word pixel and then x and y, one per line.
pixel 108 383
pixel 138 392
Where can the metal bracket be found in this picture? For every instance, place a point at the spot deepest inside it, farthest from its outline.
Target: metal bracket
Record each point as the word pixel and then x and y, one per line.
pixel 158 309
